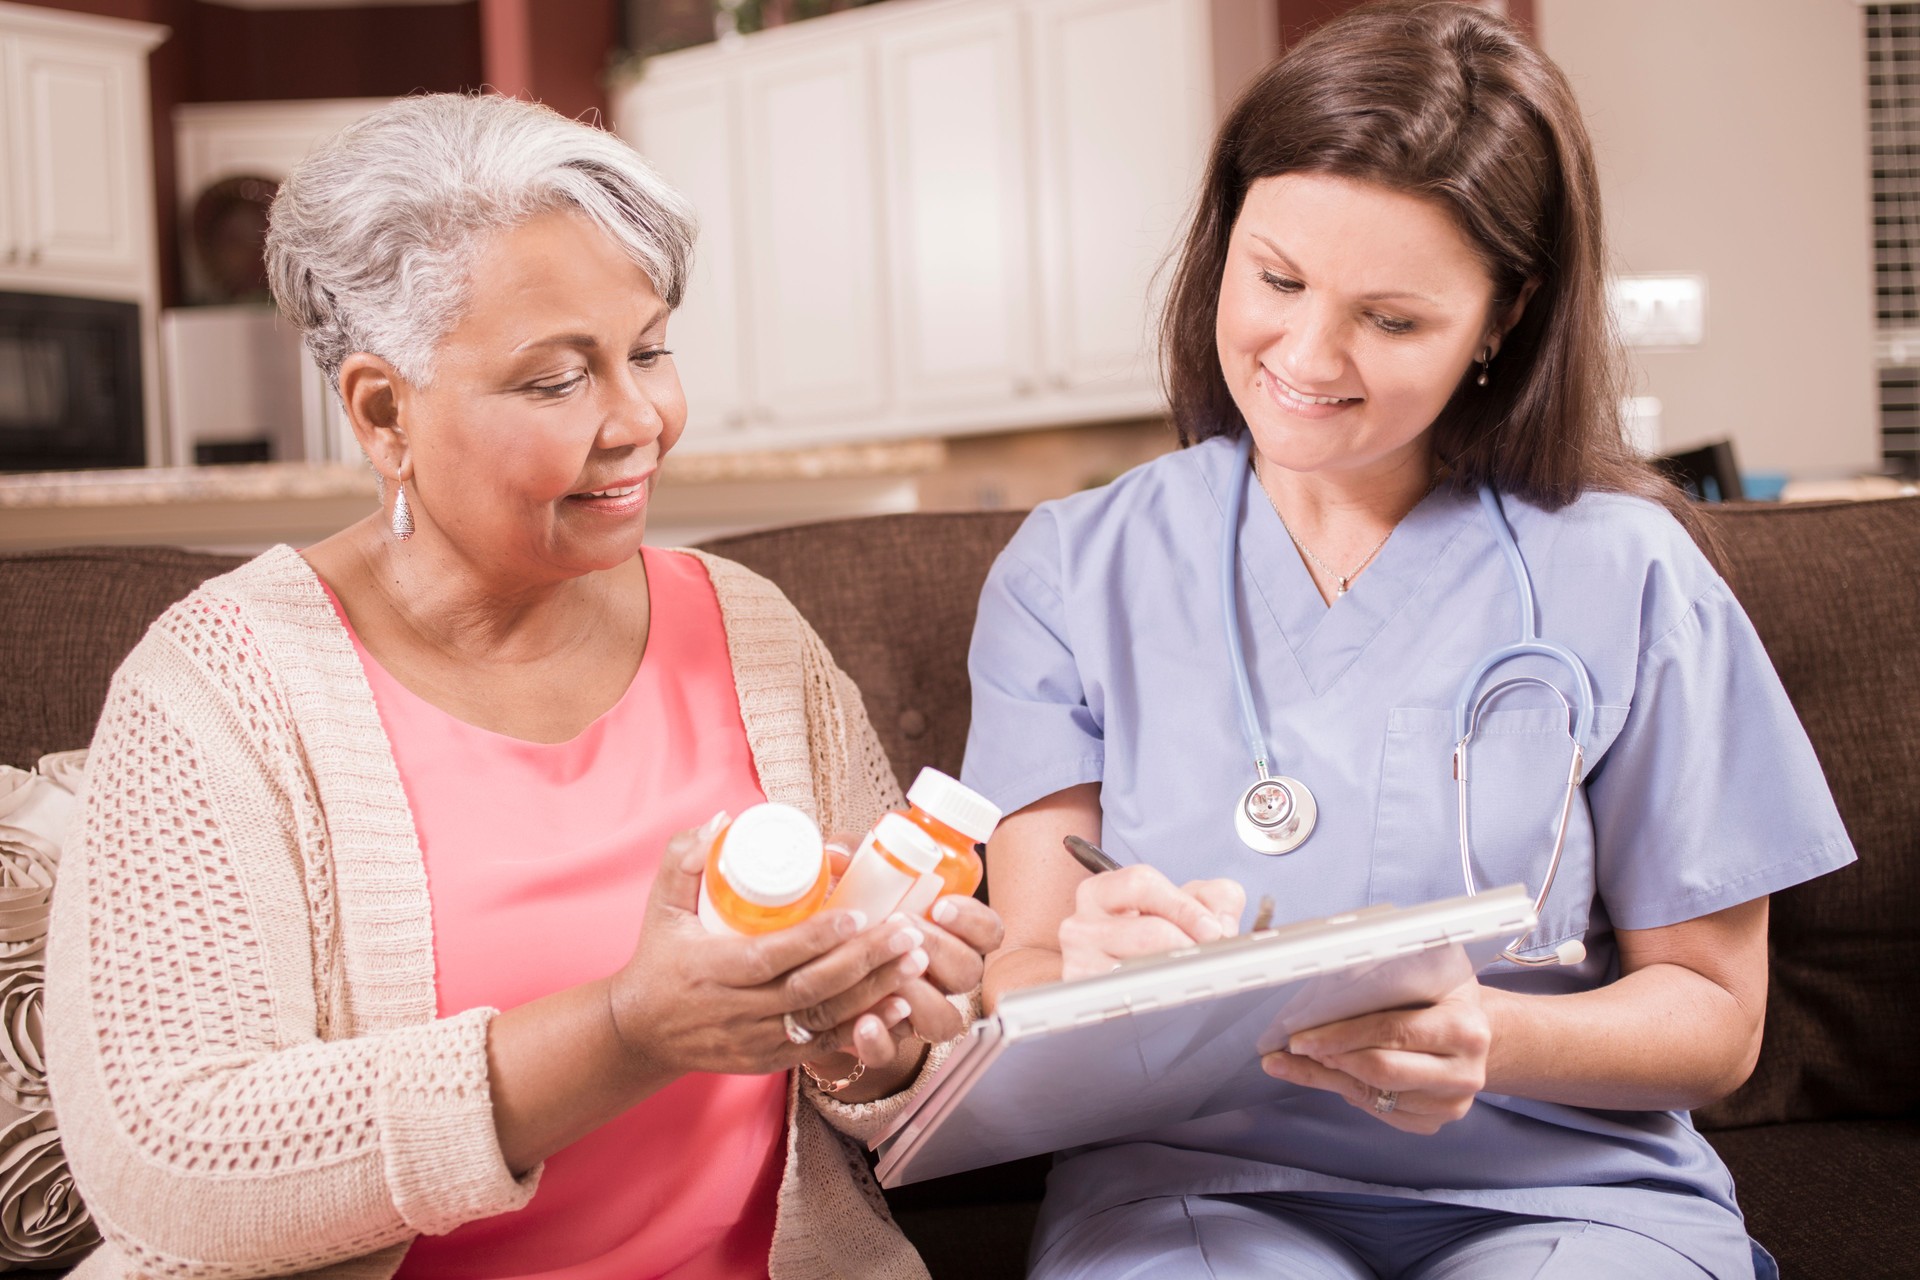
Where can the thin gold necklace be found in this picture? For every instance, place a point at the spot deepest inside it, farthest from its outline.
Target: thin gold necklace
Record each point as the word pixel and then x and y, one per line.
pixel 1343 582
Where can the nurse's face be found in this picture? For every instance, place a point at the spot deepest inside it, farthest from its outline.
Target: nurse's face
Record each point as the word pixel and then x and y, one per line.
pixel 1349 313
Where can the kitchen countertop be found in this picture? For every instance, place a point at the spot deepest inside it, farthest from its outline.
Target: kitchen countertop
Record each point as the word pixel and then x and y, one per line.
pixel 273 482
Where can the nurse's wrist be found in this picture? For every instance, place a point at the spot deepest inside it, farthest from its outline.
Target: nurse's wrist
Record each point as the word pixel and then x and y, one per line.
pixel 1506 1014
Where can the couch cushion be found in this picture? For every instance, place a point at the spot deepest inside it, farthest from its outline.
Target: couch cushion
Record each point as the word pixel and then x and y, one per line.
pixel 67 619
pixel 1832 1200
pixel 894 598
pixel 1834 590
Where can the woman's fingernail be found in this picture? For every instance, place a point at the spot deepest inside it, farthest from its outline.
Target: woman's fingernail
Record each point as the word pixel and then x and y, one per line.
pixel 852 922
pixel 1277 1066
pixel 1300 1046
pixel 945 912
pixel 870 1027
pixel 915 964
pixel 713 825
pixel 906 940
pixel 1208 930
pixel 897 1010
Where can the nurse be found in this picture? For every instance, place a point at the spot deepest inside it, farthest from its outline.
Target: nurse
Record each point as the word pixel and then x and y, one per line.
pixel 1391 295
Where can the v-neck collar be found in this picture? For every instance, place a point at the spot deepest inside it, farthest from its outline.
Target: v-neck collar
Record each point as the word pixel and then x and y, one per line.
pixel 1326 639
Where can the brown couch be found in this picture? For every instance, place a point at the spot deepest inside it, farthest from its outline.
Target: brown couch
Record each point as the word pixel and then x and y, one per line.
pixel 1824 1139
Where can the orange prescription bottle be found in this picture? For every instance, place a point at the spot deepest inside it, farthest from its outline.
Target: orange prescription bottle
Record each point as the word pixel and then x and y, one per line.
pixel 766 870
pixel 891 863
pixel 958 818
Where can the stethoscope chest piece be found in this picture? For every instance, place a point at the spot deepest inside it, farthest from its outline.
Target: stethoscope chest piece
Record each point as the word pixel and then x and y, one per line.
pixel 1275 815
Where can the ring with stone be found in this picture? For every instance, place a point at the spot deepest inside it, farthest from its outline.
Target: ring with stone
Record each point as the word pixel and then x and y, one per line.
pixel 796 1034
pixel 1385 1100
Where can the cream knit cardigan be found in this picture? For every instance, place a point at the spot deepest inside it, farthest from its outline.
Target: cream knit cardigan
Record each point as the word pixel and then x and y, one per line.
pixel 242 1041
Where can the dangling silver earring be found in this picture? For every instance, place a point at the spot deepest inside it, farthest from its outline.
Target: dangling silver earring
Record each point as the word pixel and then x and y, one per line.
pixel 403 515
pixel 1486 358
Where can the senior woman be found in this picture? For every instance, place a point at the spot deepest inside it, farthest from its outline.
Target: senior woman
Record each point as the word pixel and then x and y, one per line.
pixel 1387 342
pixel 348 802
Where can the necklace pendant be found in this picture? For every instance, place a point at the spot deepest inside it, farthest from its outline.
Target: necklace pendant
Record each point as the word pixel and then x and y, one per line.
pixel 1341 589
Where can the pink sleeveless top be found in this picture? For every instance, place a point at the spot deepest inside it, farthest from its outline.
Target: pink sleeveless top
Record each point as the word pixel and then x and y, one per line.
pixel 538 860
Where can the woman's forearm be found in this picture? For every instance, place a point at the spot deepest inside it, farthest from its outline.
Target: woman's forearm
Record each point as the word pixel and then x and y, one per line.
pixel 1014 967
pixel 1661 1038
pixel 558 1070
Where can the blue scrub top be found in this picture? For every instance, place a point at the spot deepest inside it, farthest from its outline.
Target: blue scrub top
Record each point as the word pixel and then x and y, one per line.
pixel 1098 657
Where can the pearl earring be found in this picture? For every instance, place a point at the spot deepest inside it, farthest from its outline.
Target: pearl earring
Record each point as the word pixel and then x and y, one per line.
pixel 1486 358
pixel 403 515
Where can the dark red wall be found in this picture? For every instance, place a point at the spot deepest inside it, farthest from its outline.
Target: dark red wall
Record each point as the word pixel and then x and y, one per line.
pixel 248 55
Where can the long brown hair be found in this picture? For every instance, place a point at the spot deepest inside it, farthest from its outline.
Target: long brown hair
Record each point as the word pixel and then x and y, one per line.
pixel 1447 102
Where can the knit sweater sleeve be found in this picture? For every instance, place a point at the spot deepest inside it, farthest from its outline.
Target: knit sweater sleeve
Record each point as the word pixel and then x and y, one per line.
pixel 219 1118
pixel 856 785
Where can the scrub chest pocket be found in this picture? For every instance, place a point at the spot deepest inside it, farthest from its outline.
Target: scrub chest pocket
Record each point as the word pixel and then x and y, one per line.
pixel 1518 765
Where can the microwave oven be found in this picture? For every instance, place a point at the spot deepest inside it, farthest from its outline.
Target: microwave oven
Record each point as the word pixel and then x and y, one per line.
pixel 70 392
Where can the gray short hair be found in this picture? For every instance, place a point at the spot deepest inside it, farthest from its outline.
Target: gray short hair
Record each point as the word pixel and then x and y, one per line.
pixel 372 237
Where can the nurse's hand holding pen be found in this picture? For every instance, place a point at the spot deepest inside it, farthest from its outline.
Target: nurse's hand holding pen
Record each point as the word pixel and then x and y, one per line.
pixel 1137 911
pixel 1102 918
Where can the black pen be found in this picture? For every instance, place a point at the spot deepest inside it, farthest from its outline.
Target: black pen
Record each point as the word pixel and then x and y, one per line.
pixel 1089 855
pixel 1095 859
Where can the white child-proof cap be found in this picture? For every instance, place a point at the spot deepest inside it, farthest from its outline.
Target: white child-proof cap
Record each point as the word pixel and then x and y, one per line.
pixel 771 855
pixel 945 800
pixel 907 842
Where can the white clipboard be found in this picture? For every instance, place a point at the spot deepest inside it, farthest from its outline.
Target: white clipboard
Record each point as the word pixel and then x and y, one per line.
pixel 1179 1036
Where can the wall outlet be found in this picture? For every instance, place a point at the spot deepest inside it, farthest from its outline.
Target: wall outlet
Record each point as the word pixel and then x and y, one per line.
pixel 1660 311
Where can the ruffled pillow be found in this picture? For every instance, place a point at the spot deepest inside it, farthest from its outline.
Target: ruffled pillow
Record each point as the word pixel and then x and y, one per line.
pixel 43 1224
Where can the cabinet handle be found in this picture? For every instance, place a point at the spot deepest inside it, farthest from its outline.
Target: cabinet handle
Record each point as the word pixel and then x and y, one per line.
pixel 33 256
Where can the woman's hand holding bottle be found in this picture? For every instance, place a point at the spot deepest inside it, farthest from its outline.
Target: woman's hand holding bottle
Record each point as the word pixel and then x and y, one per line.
pixel 693 1000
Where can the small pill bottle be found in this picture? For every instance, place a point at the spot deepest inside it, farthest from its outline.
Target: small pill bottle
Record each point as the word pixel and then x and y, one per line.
pixel 766 870
pixel 958 818
pixel 891 865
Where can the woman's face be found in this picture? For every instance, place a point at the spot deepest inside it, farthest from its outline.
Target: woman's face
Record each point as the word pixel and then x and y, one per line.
pixel 1348 315
pixel 553 400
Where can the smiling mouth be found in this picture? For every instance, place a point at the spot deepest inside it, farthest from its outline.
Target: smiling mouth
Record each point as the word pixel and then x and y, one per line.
pixel 614 496
pixel 1302 398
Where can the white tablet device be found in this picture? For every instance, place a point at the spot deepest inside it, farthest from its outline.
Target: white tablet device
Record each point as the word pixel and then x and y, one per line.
pixel 1179 1036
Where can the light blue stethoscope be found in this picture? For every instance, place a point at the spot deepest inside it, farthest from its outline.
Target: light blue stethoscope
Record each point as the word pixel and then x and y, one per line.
pixel 1276 814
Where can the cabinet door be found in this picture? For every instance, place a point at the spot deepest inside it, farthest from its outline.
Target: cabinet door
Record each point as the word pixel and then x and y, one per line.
pixel 1124 98
pixel 12 191
pixel 963 290
pixel 812 261
pixel 686 130
pixel 79 164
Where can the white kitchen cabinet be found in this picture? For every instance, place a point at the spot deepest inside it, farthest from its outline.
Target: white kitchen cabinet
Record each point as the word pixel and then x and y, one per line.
pixel 79 165
pixel 77 174
pixel 1122 129
pixel 76 170
pixel 959 206
pixel 810 188
pixel 690 130
pixel 933 217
